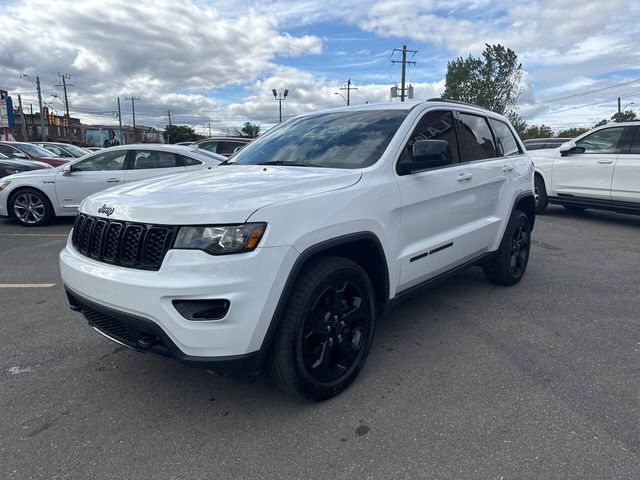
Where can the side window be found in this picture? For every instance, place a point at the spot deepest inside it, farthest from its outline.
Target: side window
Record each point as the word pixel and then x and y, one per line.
pixel 8 151
pixel 507 144
pixel 102 161
pixel 209 146
pixel 188 161
pixel 602 141
pixel 227 148
pixel 434 125
pixel 155 159
pixel 635 144
pixel 476 139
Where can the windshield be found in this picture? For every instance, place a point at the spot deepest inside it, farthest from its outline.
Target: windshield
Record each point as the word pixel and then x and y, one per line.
pixel 335 140
pixel 207 153
pixel 34 150
pixel 76 151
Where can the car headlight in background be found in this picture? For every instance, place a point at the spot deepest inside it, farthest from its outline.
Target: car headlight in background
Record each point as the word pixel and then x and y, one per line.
pixel 221 240
pixel 4 185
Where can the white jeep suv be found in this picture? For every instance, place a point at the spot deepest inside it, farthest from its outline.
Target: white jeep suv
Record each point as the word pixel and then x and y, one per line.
pixel 600 169
pixel 284 256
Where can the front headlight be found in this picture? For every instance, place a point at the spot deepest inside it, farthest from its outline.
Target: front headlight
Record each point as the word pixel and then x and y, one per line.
pixel 4 185
pixel 221 240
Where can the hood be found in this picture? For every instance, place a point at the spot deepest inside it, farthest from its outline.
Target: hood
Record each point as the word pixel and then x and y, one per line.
pixel 225 194
pixel 41 171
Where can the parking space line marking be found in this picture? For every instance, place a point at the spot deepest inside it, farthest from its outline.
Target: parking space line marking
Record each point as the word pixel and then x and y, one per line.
pixel 26 285
pixel 34 234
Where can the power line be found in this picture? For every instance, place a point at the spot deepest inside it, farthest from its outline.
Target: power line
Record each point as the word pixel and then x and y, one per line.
pixel 587 92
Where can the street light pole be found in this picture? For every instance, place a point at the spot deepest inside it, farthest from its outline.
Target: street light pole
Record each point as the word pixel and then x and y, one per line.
pixel 345 100
pixel 280 99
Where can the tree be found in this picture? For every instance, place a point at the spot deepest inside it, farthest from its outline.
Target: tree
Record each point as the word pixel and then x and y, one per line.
pixel 572 132
pixel 492 82
pixel 537 131
pixel 519 124
pixel 249 130
pixel 601 123
pixel 626 116
pixel 180 133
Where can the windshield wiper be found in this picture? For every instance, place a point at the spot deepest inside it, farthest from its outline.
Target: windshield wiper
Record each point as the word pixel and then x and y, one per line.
pixel 290 164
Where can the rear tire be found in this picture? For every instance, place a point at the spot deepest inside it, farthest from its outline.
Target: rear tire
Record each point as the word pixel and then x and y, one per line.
pixel 510 262
pixel 326 330
pixel 31 207
pixel 540 192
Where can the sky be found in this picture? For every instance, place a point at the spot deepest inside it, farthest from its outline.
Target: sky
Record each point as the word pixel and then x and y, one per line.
pixel 214 63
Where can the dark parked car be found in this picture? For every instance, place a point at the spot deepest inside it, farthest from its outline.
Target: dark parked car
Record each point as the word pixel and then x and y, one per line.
pixel 544 143
pixel 10 166
pixel 28 151
pixel 222 145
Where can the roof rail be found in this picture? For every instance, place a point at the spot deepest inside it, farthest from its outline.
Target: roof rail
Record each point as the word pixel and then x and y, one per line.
pixel 448 100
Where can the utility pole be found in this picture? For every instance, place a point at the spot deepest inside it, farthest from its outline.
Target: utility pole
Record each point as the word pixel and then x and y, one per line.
pixel 169 113
pixel 120 122
pixel 404 63
pixel 280 99
pixel 25 137
pixel 348 88
pixel 33 122
pixel 619 110
pixel 209 129
pixel 41 113
pixel 133 110
pixel 64 78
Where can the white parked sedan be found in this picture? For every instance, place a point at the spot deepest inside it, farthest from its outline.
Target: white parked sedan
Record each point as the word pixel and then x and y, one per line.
pixel 34 198
pixel 599 169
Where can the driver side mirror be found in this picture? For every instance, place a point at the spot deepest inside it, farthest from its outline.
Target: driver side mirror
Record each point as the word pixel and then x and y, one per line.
pixel 66 170
pixel 570 147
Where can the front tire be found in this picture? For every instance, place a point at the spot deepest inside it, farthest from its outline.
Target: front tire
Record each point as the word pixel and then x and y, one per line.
pixel 326 331
pixel 31 207
pixel 511 259
pixel 540 193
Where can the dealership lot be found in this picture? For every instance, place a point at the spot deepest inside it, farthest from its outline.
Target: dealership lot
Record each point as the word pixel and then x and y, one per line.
pixel 466 380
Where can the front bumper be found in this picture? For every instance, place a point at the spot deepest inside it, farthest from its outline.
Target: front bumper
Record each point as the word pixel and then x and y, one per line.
pixel 251 282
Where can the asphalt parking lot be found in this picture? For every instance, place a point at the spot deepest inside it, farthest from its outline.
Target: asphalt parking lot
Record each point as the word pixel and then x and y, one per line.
pixel 466 380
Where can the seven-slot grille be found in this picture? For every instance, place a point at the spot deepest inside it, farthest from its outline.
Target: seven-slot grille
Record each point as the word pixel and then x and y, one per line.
pixel 132 245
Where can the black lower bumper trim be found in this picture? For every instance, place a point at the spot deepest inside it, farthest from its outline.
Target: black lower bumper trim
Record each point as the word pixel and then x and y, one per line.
pixel 145 336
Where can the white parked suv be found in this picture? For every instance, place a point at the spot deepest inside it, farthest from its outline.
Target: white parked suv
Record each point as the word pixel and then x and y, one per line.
pixel 34 198
pixel 284 257
pixel 599 169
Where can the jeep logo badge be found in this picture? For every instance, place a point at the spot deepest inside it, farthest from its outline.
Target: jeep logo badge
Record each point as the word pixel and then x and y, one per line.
pixel 107 210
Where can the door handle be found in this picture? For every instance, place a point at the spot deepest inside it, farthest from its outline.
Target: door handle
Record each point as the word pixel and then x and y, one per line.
pixel 113 180
pixel 464 176
pixel 507 168
pixel 605 162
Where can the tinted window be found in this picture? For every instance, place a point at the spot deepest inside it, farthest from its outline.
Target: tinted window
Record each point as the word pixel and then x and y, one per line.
pixel 635 145
pixel 102 161
pixel 34 150
pixel 353 139
pixel 154 159
pixel 188 161
pixel 209 146
pixel 507 143
pixel 434 126
pixel 602 141
pixel 227 148
pixel 56 151
pixel 476 140
pixel 7 150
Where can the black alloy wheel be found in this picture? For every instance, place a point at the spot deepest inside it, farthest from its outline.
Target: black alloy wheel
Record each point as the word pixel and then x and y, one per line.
pixel 334 331
pixel 326 330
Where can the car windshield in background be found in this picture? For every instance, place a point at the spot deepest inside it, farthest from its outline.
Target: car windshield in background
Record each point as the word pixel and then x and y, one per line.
pixel 207 153
pixel 76 151
pixel 334 140
pixel 34 150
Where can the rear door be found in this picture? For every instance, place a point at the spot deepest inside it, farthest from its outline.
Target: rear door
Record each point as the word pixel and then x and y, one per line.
pixel 148 163
pixel 625 186
pixel 588 170
pixel 90 175
pixel 447 214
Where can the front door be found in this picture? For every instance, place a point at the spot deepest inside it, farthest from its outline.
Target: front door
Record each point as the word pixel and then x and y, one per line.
pixel 90 175
pixel 448 214
pixel 587 171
